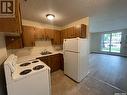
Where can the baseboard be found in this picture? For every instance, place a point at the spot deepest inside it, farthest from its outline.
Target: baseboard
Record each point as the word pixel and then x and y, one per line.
pixel 114 54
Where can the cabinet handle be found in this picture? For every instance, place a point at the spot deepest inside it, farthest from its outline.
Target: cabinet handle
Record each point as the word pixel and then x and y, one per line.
pixel 46 58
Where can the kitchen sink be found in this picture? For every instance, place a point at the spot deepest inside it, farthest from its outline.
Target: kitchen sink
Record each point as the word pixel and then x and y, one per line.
pixel 46 52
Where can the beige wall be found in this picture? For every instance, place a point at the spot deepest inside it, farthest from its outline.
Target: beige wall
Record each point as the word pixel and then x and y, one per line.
pixel 3 52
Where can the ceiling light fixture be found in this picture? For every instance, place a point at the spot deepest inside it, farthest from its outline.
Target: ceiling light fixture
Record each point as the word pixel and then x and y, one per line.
pixel 50 16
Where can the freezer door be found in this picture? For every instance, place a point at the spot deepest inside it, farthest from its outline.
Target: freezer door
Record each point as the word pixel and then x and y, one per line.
pixel 71 65
pixel 71 45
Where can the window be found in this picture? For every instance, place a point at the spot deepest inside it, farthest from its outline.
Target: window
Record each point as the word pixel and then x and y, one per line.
pixel 111 42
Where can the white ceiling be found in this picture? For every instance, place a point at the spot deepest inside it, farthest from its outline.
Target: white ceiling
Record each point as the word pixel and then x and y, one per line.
pixel 66 11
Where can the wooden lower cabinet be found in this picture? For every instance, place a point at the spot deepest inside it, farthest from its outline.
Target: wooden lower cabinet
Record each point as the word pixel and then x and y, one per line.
pixel 53 61
pixel 46 60
pixel 61 62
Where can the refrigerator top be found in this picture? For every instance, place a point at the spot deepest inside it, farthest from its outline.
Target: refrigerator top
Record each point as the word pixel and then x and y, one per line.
pixel 74 44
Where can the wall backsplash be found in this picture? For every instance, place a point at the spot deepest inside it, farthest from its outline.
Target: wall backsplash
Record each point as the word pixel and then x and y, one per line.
pixel 39 47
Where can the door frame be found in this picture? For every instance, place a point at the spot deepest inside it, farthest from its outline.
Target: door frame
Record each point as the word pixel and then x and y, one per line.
pixel 102 37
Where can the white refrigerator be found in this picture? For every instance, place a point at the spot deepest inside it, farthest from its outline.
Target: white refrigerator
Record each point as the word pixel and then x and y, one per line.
pixel 76 56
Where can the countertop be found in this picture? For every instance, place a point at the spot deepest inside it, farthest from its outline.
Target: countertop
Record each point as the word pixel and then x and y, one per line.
pixel 34 56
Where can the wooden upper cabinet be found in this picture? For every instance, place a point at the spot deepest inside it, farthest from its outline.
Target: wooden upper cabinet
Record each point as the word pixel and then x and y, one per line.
pixel 28 36
pixel 81 31
pixel 39 33
pixel 57 37
pixel 12 24
pixel 75 31
pixel 13 42
pixel 65 33
pixel 70 32
pixel 61 37
pixel 49 33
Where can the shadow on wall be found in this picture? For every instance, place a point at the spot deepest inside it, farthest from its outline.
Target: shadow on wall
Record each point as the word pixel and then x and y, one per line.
pixel 2 81
pixel 3 56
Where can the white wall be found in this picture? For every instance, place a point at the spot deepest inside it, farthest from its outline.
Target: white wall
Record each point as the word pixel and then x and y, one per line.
pixel 95 42
pixel 124 42
pixel 113 17
pixel 3 52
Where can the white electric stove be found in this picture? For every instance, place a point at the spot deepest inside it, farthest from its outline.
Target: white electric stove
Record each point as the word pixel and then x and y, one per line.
pixel 31 77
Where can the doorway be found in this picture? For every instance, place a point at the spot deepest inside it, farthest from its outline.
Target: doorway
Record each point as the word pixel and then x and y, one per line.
pixel 111 42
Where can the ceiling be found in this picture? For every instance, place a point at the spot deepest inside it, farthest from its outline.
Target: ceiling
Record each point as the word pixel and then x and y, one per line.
pixel 65 11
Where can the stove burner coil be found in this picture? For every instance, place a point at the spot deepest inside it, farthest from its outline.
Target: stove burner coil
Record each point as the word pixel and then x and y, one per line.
pixel 25 72
pixel 25 64
pixel 35 61
pixel 38 67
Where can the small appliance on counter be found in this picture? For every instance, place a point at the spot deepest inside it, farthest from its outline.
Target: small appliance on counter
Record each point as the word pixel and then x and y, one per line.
pixel 27 78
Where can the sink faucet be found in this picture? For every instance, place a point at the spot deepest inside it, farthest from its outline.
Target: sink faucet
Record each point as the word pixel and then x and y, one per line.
pixel 45 50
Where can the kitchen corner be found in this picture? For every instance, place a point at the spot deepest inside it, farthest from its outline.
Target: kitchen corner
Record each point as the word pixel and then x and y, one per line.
pixel 37 55
pixel 43 50
pixel 36 51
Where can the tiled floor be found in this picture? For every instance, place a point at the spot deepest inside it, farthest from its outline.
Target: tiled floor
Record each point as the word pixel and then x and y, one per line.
pixel 108 75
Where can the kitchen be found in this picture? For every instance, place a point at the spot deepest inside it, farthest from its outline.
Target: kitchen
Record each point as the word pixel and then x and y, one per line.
pixel 37 41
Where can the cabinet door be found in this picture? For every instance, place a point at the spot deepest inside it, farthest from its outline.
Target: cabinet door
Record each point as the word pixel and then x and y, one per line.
pixel 78 31
pixel 55 62
pixel 28 36
pixel 61 61
pixel 83 31
pixel 49 33
pixel 71 33
pixel 45 60
pixel 12 24
pixel 61 37
pixel 13 42
pixel 65 34
pixel 39 33
pixel 56 39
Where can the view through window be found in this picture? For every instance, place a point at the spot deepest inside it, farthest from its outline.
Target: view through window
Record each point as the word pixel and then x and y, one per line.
pixel 111 42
